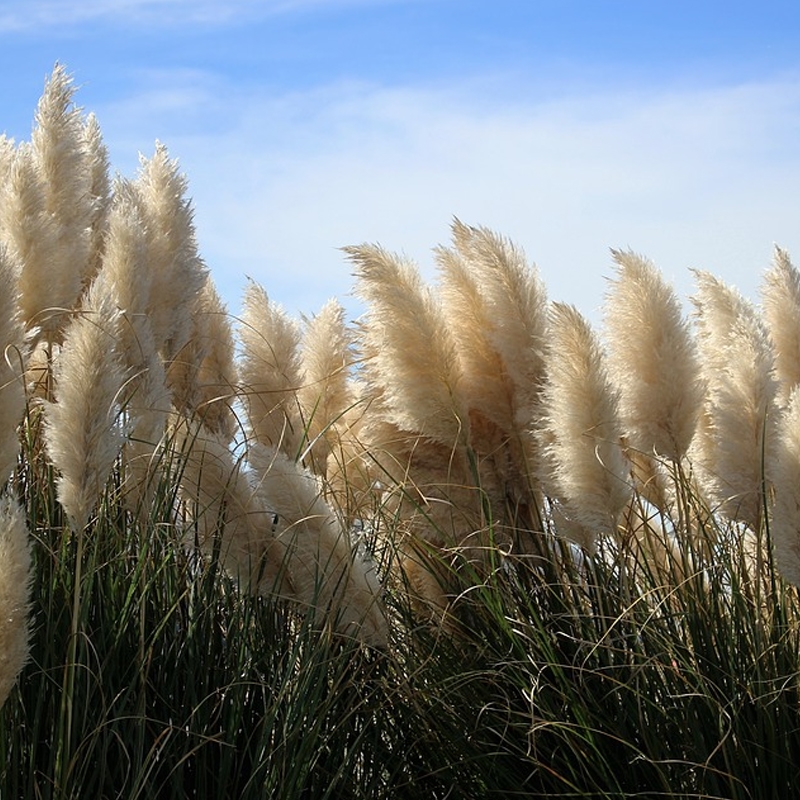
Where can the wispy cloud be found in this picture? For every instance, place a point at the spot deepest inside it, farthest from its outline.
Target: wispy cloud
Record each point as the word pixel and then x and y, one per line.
pixel 692 178
pixel 19 15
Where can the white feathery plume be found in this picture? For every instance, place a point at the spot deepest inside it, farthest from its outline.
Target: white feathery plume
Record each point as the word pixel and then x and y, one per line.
pixel 82 427
pixel 15 579
pixel 734 444
pixel 61 158
pixel 496 307
pixel 202 376
pixel 145 398
pixel 13 359
pixel 780 294
pixel 486 384
pixel 269 372
pixel 97 164
pixel 32 236
pixel 652 360
pixel 516 311
pixel 325 392
pixel 785 523
pixel 584 467
pixel 228 512
pixel 410 354
pixel 327 575
pixel 177 271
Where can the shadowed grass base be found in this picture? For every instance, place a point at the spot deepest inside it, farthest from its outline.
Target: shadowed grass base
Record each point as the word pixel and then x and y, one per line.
pixel 553 678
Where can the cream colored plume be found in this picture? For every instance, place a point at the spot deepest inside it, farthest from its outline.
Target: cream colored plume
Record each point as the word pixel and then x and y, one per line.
pixel 515 311
pixel 486 384
pixel 7 155
pixel 82 430
pixel 328 575
pixel 13 359
pixel 15 577
pixel 228 512
pixel 177 271
pixel 496 307
pixel 62 158
pixel 269 372
pixel 127 274
pixel 734 447
pixel 410 354
pixel 100 193
pixel 202 376
pixel 780 294
pixel 325 393
pixel 785 523
pixel 584 468
pixel 32 236
pixel 652 360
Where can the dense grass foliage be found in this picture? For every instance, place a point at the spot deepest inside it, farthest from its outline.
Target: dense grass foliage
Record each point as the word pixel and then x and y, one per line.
pixel 553 675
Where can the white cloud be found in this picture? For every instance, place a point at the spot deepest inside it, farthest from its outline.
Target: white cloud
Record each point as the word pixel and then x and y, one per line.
pixel 18 15
pixel 704 178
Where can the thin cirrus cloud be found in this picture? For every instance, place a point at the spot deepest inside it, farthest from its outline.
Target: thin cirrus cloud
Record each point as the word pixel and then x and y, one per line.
pixel 22 15
pixel 692 178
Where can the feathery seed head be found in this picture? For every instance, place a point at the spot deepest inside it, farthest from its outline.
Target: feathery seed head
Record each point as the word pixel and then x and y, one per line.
pixel 652 359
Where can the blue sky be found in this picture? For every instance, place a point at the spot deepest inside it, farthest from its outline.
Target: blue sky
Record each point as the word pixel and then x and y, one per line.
pixel 571 126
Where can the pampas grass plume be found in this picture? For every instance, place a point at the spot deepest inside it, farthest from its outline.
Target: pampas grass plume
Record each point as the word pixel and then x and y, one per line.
pixel 516 310
pixel 584 467
pixel 738 425
pixel 325 393
pixel 327 576
pixel 410 354
pixel 82 430
pixel 15 567
pixel 177 271
pixel 652 360
pixel 12 367
pixel 270 372
pixel 226 507
pixel 780 293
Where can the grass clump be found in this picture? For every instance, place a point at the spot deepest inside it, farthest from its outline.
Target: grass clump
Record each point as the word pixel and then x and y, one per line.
pixel 466 547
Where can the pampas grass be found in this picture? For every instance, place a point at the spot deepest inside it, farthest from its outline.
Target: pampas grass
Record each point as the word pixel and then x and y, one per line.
pixel 31 235
pixel 326 392
pixel 60 154
pixel 735 441
pixel 375 591
pixel 517 309
pixel 13 357
pixel 329 577
pixel 584 468
pixel 409 353
pixel 270 373
pixel 652 360
pixel 202 377
pixel 228 516
pixel 15 580
pixel 82 430
pixel 780 292
pixel 177 271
